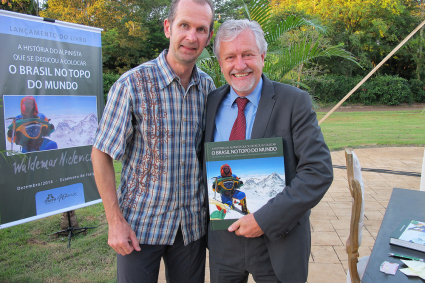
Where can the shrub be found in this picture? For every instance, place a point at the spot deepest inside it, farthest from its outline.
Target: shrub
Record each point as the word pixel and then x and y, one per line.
pixel 389 90
pixel 331 89
pixel 418 90
pixel 108 80
pixel 386 90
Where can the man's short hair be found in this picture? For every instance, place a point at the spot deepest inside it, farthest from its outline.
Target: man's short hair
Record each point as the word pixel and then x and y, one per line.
pixel 173 10
pixel 231 29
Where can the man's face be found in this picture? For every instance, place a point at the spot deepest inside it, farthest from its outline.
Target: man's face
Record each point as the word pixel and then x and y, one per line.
pixel 241 62
pixel 189 32
pixel 29 107
pixel 226 170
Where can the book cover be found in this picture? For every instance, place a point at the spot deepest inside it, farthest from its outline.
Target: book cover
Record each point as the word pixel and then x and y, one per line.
pixel 410 234
pixel 242 177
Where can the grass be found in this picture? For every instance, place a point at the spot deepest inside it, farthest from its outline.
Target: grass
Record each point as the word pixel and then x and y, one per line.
pixel 29 254
pixel 377 128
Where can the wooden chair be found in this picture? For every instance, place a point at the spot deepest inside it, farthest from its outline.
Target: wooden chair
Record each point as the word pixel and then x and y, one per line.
pixel 356 267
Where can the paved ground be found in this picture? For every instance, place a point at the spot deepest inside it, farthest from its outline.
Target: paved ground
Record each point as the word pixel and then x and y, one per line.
pixel 382 170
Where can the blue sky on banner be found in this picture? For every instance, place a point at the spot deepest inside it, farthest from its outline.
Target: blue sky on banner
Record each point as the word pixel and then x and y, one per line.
pixel 52 105
pixel 257 166
pixel 48 31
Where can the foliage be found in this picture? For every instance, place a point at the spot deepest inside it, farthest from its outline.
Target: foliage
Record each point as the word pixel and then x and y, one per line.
pixel 379 90
pixel 108 80
pixel 209 64
pixel 29 7
pixel 387 90
pixel 418 90
pixel 300 53
pixel 368 29
pixel 132 29
pixel 229 9
pixel 332 88
pixel 280 60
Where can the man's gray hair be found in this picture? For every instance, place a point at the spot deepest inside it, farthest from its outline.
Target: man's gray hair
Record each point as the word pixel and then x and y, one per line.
pixel 173 10
pixel 231 29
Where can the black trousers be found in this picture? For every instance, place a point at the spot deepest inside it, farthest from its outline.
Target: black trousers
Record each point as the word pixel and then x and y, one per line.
pixel 232 258
pixel 183 264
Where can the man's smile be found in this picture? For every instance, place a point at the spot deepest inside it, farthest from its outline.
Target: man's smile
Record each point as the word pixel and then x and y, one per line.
pixel 241 75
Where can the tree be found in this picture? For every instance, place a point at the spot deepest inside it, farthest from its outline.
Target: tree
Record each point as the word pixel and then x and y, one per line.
pixel 415 45
pixel 29 7
pixel 280 60
pixel 229 9
pixel 369 29
pixel 130 27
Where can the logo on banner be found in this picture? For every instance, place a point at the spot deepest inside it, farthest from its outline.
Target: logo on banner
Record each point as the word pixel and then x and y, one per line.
pixel 59 198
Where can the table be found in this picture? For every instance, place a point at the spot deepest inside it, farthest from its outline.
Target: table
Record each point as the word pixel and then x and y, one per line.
pixel 404 204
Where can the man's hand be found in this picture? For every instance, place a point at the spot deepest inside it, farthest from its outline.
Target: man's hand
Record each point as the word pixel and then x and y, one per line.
pixel 122 238
pixel 246 226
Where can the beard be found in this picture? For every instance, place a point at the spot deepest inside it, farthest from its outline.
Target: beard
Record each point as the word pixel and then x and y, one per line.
pixel 243 86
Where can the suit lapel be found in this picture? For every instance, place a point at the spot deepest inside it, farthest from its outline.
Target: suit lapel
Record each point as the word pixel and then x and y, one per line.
pixel 213 103
pixel 264 110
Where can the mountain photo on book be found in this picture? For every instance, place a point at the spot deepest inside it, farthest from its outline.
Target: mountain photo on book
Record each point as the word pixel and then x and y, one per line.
pixel 242 177
pixel 410 234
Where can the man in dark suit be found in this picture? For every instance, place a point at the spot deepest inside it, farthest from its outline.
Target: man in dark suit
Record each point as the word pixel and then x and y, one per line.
pixel 273 243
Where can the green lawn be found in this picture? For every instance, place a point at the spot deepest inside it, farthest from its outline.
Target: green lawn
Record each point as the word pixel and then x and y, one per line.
pixel 28 254
pixel 369 129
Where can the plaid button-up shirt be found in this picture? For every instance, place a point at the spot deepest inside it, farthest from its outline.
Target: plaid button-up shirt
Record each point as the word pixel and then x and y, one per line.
pixel 155 127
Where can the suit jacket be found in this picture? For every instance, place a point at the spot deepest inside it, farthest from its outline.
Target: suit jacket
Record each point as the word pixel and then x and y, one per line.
pixel 286 111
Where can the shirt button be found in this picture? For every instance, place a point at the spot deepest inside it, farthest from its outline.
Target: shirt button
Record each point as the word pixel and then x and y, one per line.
pixel 182 184
pixel 182 162
pixel 183 141
pixel 184 119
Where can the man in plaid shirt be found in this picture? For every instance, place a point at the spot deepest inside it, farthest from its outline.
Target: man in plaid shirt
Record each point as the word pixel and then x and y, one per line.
pixel 153 122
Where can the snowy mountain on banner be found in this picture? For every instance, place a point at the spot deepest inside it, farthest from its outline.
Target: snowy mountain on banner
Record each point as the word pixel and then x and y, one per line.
pixel 74 131
pixel 268 187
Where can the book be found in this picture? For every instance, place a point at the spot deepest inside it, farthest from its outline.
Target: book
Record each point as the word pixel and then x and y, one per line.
pixel 410 234
pixel 242 176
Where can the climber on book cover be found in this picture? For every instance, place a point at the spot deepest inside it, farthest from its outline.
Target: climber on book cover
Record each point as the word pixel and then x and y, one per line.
pixel 227 184
pixel 30 128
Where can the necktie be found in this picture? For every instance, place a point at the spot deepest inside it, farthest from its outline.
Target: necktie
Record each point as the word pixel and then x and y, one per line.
pixel 239 127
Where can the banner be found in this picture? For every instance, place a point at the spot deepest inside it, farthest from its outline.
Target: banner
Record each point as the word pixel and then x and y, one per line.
pixel 51 101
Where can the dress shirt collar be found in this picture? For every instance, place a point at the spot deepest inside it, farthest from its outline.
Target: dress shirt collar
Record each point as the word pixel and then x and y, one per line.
pixel 253 97
pixel 168 75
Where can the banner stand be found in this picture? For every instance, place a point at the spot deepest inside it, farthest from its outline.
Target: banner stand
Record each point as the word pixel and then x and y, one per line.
pixel 51 99
pixel 70 230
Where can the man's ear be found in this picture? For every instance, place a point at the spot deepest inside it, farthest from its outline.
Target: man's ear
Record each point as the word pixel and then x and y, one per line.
pixel 167 28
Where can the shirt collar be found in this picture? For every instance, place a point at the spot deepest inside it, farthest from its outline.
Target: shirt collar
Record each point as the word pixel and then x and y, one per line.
pixel 168 75
pixel 253 97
